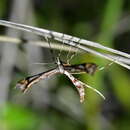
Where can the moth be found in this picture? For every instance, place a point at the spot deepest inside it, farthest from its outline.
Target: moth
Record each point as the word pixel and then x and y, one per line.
pixel 62 68
pixel 66 69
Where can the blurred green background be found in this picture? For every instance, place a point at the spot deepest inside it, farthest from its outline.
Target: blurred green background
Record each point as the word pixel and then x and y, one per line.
pixel 54 104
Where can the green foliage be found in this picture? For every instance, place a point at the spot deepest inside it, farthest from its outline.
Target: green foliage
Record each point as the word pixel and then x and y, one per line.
pixel 18 118
pixel 2 7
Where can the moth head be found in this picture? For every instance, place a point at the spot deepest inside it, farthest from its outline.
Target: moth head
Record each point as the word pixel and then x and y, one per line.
pixel 90 68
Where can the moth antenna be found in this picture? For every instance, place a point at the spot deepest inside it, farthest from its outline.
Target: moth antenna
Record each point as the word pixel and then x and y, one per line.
pixel 106 66
pixel 109 64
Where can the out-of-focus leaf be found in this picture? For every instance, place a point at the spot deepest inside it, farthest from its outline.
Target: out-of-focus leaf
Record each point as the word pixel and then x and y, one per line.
pixel 18 118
